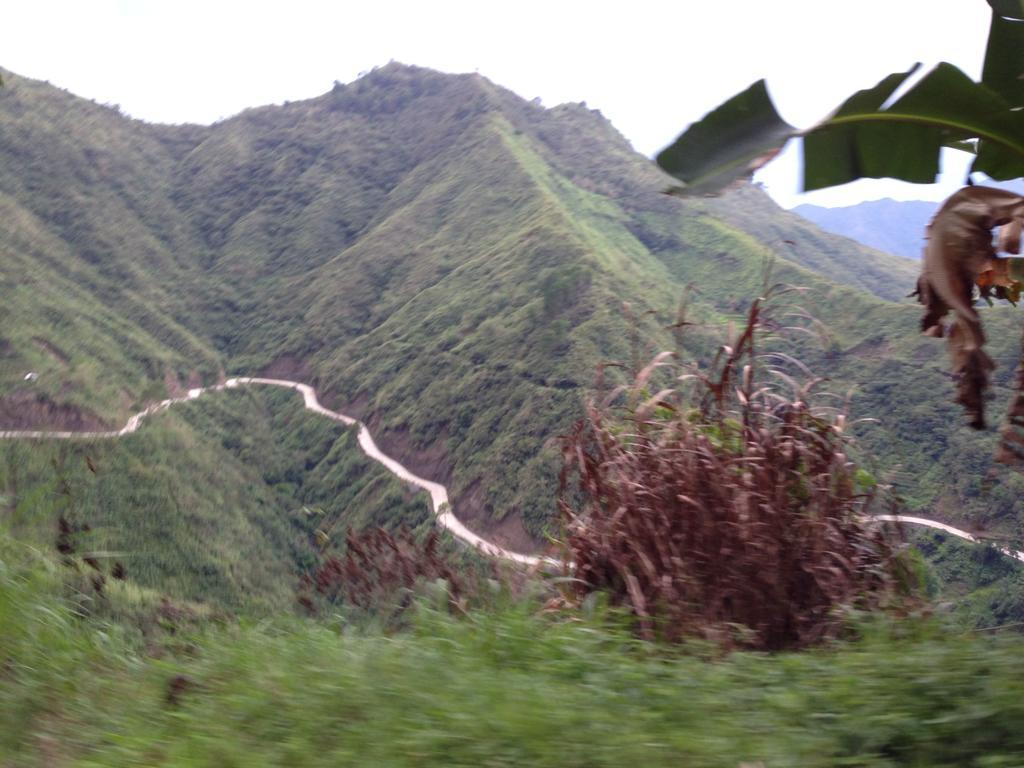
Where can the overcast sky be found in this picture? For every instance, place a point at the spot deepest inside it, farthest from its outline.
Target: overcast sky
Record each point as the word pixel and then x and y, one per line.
pixel 650 67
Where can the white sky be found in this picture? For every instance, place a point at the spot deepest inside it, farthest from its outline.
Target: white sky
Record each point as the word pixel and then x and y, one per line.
pixel 650 67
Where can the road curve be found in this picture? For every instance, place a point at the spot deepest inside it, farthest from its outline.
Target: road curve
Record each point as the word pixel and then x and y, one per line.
pixel 1016 554
pixel 438 493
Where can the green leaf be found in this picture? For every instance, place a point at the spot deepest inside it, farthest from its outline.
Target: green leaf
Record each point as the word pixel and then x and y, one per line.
pixel 997 158
pixel 838 153
pixel 869 137
pixel 1003 71
pixel 729 143
pixel 903 140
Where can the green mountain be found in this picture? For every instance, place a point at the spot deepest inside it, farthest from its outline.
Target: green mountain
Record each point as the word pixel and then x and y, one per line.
pixel 452 264
pixel 440 258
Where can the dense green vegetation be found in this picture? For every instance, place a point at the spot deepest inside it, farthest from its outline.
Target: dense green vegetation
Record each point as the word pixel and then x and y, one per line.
pixel 442 259
pixel 90 260
pixel 451 264
pixel 215 501
pixel 978 585
pixel 502 687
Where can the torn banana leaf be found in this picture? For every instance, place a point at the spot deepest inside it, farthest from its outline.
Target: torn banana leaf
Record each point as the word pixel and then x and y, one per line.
pixel 867 136
pixel 959 259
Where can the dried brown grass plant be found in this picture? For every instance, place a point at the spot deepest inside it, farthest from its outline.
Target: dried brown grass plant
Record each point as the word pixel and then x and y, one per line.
pixel 721 508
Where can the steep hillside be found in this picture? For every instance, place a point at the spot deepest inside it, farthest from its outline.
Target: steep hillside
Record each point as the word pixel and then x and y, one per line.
pixel 444 259
pixel 93 257
pixel 833 255
pixel 216 501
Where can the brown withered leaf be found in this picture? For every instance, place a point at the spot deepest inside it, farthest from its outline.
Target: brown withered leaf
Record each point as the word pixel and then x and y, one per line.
pixel 959 256
pixel 1009 237
pixel 734 516
pixel 995 272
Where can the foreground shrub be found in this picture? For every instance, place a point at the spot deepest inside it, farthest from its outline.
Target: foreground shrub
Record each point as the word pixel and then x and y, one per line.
pixel 379 572
pixel 721 508
pixel 379 576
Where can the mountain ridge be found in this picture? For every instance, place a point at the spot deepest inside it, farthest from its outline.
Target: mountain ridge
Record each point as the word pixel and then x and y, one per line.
pixel 892 226
pixel 437 256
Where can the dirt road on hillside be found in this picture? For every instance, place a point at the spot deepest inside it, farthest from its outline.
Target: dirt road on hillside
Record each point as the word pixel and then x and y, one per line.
pixel 438 493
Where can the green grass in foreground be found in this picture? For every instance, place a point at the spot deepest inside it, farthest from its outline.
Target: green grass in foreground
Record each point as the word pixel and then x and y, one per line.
pixel 503 687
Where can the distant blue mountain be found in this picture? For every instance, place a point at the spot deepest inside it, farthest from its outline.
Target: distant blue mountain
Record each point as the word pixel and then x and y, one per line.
pixel 889 225
pixel 892 226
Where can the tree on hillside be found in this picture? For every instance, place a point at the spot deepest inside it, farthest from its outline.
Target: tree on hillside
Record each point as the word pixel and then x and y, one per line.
pixel 895 131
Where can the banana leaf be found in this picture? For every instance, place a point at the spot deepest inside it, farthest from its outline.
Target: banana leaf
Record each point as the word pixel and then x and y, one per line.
pixel 877 132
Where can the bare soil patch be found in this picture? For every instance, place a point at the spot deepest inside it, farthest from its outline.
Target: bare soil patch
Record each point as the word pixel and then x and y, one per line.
pixel 32 410
pixel 508 533
pixel 290 367
pixel 172 385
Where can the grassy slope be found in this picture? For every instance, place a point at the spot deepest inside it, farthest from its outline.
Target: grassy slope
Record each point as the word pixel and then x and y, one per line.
pixel 502 688
pixel 91 259
pixel 96 356
pixel 835 257
pixel 216 500
pixel 867 347
pixel 492 373
pixel 461 257
pixel 980 586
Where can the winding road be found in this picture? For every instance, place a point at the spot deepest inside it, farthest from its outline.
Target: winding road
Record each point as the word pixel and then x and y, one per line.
pixel 438 493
